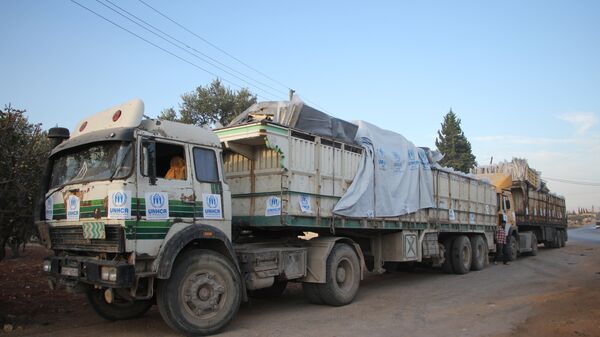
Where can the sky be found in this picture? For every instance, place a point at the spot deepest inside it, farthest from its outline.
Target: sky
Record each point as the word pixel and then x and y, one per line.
pixel 523 76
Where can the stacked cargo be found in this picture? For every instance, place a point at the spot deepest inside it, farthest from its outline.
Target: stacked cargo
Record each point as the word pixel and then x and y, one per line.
pixel 536 209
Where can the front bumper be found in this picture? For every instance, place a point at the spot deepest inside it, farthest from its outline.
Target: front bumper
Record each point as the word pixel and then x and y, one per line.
pixel 71 270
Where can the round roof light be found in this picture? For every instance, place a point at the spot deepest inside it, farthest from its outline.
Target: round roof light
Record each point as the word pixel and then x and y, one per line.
pixel 116 115
pixel 82 127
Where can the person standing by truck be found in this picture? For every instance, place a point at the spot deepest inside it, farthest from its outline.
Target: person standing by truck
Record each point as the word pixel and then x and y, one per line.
pixel 501 247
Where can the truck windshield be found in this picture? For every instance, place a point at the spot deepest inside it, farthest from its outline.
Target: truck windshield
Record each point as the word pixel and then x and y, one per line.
pixel 99 161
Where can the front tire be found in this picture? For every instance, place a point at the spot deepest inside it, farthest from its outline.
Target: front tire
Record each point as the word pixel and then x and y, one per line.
pixel 534 245
pixel 202 295
pixel 342 276
pixel 119 309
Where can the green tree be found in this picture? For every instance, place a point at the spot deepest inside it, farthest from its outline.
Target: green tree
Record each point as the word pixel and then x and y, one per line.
pixel 210 105
pixel 453 144
pixel 23 149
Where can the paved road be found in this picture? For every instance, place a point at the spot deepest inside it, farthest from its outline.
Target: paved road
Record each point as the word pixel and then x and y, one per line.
pixel 420 303
pixel 585 235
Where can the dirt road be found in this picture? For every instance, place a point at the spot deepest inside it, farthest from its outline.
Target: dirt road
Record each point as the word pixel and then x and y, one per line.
pixel 552 294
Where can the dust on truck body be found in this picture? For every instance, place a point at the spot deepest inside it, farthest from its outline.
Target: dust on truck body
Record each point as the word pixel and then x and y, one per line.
pixel 525 203
pixel 142 211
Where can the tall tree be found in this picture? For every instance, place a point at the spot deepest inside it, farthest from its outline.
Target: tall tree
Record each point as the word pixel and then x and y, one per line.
pixel 210 105
pixel 453 144
pixel 23 149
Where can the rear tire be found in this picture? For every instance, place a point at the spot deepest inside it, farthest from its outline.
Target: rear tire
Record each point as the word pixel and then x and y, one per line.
pixel 119 309
pixel 447 265
pixel 461 255
pixel 513 249
pixel 479 249
pixel 555 241
pixel 342 276
pixel 563 239
pixel 202 295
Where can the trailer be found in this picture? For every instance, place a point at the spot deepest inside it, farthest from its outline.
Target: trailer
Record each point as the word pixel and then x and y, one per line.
pixel 305 175
pixel 140 211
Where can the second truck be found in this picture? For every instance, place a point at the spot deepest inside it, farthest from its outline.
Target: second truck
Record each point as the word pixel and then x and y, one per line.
pixel 141 211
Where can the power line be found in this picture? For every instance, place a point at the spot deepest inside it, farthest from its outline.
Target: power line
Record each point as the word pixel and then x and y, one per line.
pixel 196 50
pixel 225 52
pixel 214 46
pixel 574 182
pixel 159 47
pixel 177 46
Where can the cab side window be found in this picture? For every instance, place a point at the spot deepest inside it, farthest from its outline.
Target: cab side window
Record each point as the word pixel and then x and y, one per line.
pixel 170 160
pixel 205 164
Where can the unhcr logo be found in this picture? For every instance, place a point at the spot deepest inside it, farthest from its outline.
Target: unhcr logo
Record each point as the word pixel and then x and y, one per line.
pixel 72 204
pixel 212 201
pixel 119 207
pixel 212 206
pixel 273 206
pixel 274 202
pixel 157 200
pixel 73 207
pixel 119 199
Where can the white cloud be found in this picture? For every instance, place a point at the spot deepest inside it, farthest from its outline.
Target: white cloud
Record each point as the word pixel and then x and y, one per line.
pixel 582 121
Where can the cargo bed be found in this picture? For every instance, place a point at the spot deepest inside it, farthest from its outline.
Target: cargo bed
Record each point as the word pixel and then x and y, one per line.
pixel 265 162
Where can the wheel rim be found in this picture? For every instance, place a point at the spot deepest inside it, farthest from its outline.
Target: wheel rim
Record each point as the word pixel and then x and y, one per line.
pixel 344 275
pixel 204 294
pixel 513 248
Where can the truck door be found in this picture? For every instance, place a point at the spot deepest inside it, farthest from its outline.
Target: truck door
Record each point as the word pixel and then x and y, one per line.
pixel 165 188
pixel 211 191
pixel 508 212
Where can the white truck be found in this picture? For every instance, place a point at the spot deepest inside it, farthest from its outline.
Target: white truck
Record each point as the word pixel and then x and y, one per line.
pixel 141 211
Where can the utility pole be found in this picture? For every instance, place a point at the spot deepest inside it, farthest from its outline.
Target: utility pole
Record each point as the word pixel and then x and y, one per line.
pixel 292 91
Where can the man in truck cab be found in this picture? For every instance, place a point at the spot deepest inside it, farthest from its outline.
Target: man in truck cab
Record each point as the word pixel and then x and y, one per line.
pixel 177 169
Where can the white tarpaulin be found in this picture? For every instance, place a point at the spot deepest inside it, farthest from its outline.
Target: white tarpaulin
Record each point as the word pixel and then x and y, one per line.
pixel 393 179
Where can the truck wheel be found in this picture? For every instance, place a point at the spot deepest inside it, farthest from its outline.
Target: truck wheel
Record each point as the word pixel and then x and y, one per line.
pixel 202 295
pixel 479 249
pixel 276 290
pixel 513 249
pixel 447 265
pixel 119 309
pixel 534 245
pixel 461 255
pixel 311 291
pixel 342 276
pixel 562 238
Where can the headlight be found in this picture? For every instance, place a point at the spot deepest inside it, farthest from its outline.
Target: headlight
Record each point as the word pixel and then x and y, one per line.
pixel 47 266
pixel 108 273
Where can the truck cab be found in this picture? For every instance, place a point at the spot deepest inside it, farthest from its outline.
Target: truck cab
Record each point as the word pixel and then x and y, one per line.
pixel 518 242
pixel 130 201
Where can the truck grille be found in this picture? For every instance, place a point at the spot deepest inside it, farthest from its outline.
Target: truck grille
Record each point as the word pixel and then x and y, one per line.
pixel 71 238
